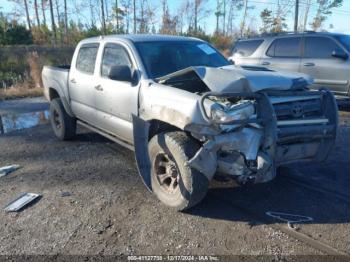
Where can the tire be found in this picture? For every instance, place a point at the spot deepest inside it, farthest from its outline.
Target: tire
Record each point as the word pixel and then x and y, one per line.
pixel 63 125
pixel 175 183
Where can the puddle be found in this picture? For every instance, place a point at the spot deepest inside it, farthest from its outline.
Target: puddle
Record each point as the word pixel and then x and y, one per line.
pixel 12 122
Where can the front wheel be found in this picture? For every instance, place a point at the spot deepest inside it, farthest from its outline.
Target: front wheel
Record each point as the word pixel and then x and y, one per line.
pixel 63 125
pixel 174 182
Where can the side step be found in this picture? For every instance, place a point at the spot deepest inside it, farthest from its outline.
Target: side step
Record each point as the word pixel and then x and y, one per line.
pixel 109 136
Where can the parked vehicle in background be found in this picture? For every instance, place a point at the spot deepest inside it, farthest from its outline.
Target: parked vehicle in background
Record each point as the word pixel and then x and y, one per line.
pixel 187 113
pixel 323 56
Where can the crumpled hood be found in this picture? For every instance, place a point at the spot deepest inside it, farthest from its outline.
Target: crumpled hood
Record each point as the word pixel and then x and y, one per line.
pixel 242 79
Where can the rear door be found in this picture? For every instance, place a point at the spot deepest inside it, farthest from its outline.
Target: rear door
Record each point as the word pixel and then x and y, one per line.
pixel 318 62
pixel 116 101
pixel 283 54
pixel 82 82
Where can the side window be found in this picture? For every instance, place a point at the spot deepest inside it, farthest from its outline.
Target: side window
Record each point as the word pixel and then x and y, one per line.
pixel 285 47
pixel 113 54
pixel 246 48
pixel 86 58
pixel 319 47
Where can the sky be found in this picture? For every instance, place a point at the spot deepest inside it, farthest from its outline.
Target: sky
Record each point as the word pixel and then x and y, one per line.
pixel 339 19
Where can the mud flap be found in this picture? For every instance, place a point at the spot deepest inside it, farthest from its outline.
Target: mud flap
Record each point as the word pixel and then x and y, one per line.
pixel 140 133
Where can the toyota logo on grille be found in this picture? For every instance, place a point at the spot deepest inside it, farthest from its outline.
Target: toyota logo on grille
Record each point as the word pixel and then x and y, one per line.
pixel 297 110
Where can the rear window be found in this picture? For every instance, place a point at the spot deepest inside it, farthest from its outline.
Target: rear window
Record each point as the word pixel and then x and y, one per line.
pixel 246 48
pixel 319 47
pixel 86 58
pixel 285 47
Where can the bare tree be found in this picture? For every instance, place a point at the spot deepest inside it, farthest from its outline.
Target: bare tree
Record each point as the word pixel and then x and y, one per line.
pixel 36 12
pixel 91 7
pixel 43 8
pixel 103 22
pixel 169 24
pixel 224 18
pixel 142 28
pixel 27 14
pixel 65 20
pixel 244 17
pixel 117 14
pixel 306 14
pixel 134 10
pixel 59 20
pixel 218 13
pixel 233 6
pixel 53 23
pixel 323 11
pixel 199 12
pixel 127 8
pixel 196 5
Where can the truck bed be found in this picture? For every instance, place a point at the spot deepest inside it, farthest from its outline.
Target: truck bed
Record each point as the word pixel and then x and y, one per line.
pixel 56 77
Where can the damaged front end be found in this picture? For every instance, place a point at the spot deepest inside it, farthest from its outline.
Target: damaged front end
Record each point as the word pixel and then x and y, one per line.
pixel 248 121
pixel 283 127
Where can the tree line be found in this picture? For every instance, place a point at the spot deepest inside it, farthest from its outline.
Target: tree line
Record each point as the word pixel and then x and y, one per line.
pixel 64 22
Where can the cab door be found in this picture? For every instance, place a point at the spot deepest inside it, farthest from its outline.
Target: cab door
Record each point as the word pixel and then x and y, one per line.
pixel 82 82
pixel 327 70
pixel 283 54
pixel 116 101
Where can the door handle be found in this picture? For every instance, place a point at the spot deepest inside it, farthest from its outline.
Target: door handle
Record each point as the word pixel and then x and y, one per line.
pixel 309 64
pixel 265 63
pixel 73 81
pixel 99 88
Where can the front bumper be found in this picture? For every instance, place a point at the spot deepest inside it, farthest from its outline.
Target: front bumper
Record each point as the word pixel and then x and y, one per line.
pixel 290 126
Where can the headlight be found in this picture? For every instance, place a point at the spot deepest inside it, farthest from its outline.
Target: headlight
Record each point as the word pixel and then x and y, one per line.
pixel 225 114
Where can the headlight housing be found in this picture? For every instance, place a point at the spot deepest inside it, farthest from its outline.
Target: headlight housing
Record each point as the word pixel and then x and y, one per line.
pixel 222 114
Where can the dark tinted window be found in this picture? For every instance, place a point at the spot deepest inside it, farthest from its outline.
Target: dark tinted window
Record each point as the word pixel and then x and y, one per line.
pixel 87 58
pixel 319 47
pixel 246 48
pixel 165 57
pixel 114 55
pixel 345 40
pixel 285 47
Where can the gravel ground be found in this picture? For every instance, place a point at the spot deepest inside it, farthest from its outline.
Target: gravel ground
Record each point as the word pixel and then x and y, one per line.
pixel 94 203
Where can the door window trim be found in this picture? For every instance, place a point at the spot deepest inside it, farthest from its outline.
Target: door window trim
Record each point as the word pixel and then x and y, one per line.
pixel 103 52
pixel 97 45
pixel 286 57
pixel 322 36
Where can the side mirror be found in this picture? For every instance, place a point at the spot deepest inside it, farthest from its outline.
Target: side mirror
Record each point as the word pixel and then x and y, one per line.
pixel 231 61
pixel 338 53
pixel 120 73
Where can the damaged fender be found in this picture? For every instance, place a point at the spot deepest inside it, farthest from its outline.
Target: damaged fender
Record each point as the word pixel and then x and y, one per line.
pixel 140 132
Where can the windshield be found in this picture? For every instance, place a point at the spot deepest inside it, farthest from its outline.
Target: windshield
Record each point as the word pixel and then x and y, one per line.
pixel 165 57
pixel 345 40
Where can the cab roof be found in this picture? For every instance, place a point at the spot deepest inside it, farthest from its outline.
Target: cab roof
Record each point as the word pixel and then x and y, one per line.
pixel 143 38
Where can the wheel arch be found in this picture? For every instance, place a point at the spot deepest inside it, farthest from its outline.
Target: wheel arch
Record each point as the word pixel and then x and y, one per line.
pixel 143 131
pixel 53 93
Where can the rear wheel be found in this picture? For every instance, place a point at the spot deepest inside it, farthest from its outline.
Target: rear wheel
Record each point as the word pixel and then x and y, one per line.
pixel 175 183
pixel 63 125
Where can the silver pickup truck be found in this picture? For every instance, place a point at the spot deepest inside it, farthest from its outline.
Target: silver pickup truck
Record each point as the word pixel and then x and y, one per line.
pixel 188 113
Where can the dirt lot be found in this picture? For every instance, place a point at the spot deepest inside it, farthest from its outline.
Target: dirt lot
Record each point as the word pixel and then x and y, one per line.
pixel 94 203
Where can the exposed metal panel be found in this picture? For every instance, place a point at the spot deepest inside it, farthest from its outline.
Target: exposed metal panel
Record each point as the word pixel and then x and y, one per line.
pixel 21 202
pixel 302 122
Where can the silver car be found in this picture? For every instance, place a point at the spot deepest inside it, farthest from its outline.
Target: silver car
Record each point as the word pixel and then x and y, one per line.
pixel 187 113
pixel 323 56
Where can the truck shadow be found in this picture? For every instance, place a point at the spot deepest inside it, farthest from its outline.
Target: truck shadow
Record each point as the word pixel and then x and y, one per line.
pixel 255 203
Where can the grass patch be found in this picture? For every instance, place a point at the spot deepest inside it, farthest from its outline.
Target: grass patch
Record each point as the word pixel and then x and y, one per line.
pixel 20 91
